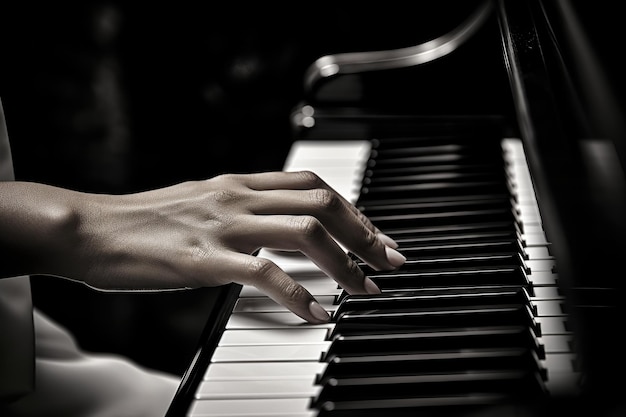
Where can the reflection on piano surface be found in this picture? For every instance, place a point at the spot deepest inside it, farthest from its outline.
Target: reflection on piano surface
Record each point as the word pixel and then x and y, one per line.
pixel 509 210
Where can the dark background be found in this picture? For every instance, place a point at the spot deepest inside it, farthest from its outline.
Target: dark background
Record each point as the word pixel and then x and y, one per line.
pixel 117 97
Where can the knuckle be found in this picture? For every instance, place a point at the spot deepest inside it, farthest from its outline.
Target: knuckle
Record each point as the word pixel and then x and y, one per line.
pixel 223 196
pixel 260 268
pixel 353 268
pixel 293 291
pixel 228 177
pixel 308 227
pixel 265 275
pixel 309 179
pixel 198 252
pixel 371 240
pixel 325 199
pixel 189 264
pixel 365 220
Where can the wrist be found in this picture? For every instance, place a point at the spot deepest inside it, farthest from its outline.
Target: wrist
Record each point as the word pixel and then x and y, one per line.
pixel 38 229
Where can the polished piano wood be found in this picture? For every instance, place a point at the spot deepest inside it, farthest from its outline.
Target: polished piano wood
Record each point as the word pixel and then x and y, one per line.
pixel 516 76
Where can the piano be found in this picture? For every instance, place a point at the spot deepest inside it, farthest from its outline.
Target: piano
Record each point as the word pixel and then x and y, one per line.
pixel 493 156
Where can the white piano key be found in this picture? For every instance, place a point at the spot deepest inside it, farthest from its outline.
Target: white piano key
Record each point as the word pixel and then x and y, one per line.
pixel 276 353
pixel 535 239
pixel 534 229
pixel 274 407
pixel 291 262
pixel 563 377
pixel 298 267
pixel 529 217
pixel 291 388
pixel 538 252
pixel 274 337
pixel 549 307
pixel 325 158
pixel 551 325
pixel 263 370
pixel 341 177
pixel 561 343
pixel 543 278
pixel 327 151
pixel 529 209
pixel 541 264
pixel 546 293
pixel 266 304
pixel 343 171
pixel 321 286
pixel 271 320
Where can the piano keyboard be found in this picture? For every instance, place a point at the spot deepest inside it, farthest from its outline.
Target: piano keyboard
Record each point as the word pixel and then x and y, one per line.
pixel 473 319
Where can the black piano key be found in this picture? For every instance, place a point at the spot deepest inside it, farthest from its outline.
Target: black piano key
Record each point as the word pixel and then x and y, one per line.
pixel 447 297
pixel 513 383
pixel 435 189
pixel 469 404
pixel 453 263
pixel 461 169
pixel 452 230
pixel 428 177
pixel 458 143
pixel 460 238
pixel 373 208
pixel 412 290
pixel 468 132
pixel 489 276
pixel 450 217
pixel 379 202
pixel 420 250
pixel 465 360
pixel 391 149
pixel 451 339
pixel 411 156
pixel 432 168
pixel 391 321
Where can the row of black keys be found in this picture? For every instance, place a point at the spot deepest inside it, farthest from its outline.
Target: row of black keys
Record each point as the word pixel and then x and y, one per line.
pixel 454 329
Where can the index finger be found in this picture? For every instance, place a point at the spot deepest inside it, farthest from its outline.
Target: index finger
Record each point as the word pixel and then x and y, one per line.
pixel 270 279
pixel 343 220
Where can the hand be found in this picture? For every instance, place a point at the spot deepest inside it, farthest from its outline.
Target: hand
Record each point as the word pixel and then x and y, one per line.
pixel 204 233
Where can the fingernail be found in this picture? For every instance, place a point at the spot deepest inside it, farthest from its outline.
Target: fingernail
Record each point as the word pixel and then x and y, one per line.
pixel 387 240
pixel 394 257
pixel 371 287
pixel 318 311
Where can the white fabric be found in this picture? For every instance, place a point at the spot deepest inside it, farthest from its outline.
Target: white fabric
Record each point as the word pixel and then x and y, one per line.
pixel 71 383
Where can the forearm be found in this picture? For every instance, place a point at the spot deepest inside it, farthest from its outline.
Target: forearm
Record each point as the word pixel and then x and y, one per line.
pixel 38 228
pixel 109 242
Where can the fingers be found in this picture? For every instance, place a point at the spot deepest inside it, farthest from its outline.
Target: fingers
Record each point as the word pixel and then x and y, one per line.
pixel 274 282
pixel 302 180
pixel 292 233
pixel 305 234
pixel 348 226
pixel 305 193
pixel 297 211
